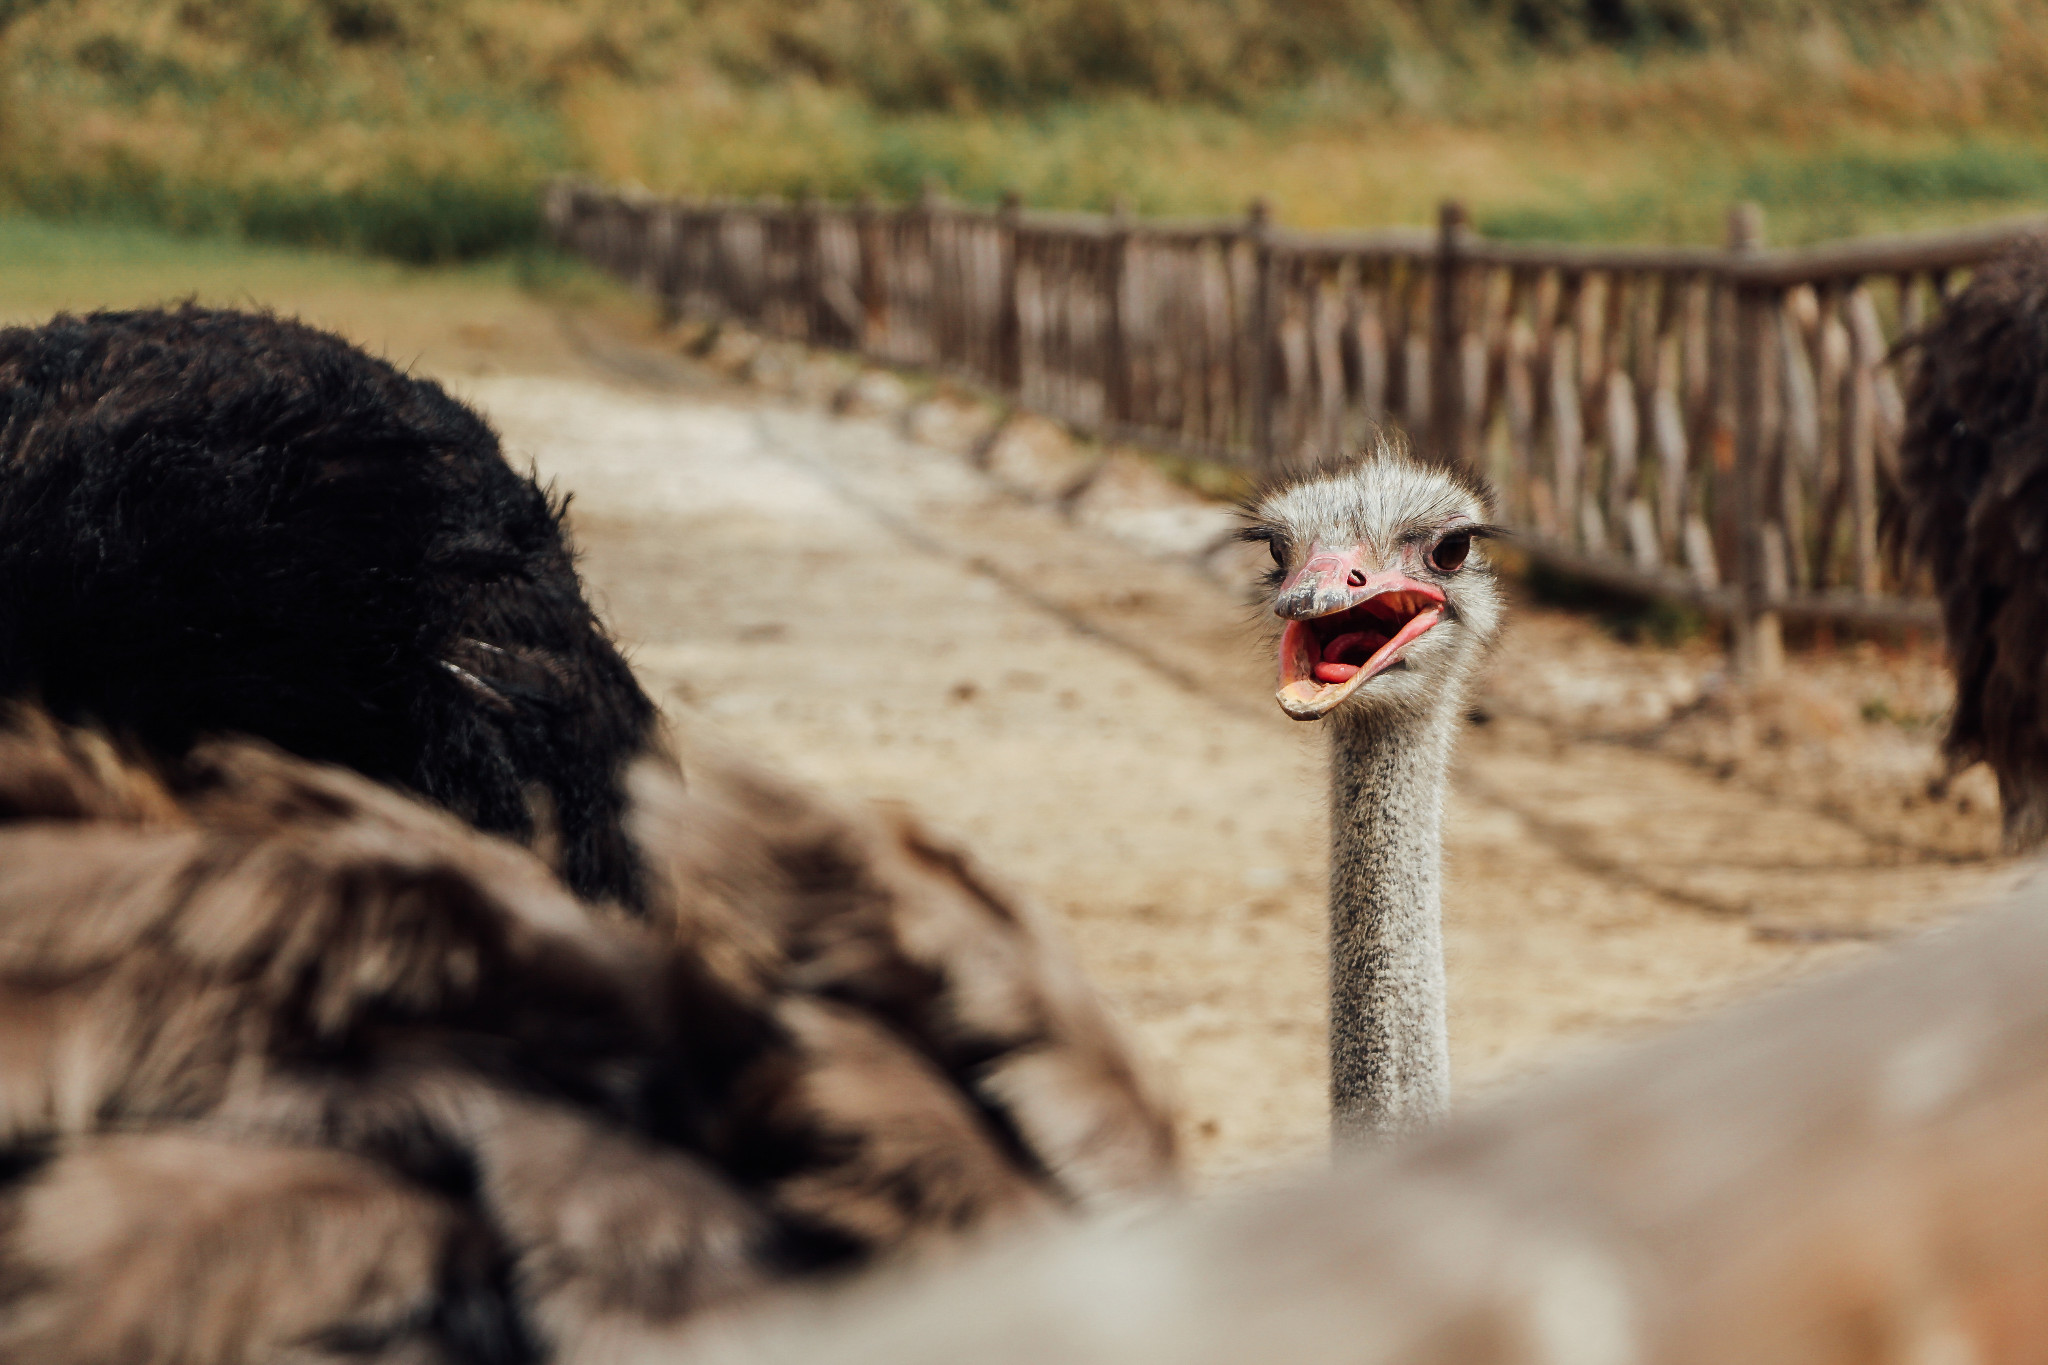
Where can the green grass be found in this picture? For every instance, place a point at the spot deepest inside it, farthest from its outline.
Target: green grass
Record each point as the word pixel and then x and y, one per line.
pixel 422 132
pixel 1629 617
pixel 1989 174
pixel 1807 196
pixel 1637 215
pixel 496 315
pixel 88 264
pixel 410 215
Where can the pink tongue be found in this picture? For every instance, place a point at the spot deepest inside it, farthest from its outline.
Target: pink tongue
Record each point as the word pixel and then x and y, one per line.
pixel 1335 648
pixel 1336 673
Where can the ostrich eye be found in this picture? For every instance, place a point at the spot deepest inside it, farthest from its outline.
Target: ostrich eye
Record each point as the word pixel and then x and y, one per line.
pixel 1279 555
pixel 1448 555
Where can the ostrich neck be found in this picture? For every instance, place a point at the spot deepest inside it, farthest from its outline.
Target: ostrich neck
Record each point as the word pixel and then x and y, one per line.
pixel 1390 1067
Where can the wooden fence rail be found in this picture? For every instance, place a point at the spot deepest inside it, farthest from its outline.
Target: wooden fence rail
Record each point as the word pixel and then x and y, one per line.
pixel 1844 1173
pixel 1718 425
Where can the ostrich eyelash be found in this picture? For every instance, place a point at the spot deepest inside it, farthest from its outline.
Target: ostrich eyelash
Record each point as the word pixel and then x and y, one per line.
pixel 1478 530
pixel 1272 537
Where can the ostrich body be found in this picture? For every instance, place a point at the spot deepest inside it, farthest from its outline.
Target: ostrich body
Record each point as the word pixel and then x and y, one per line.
pixel 1387 613
pixel 1971 505
pixel 288 1058
pixel 217 522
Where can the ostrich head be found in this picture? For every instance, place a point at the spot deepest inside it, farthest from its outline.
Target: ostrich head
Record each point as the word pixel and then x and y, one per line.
pixel 1378 577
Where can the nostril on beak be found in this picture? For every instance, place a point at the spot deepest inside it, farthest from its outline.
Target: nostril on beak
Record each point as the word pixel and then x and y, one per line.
pixel 1356 578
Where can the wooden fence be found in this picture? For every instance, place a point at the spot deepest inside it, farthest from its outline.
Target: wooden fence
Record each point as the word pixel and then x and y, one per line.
pixel 1845 1172
pixel 1717 425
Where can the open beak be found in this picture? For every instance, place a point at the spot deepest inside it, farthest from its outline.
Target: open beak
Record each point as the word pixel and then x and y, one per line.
pixel 1347 627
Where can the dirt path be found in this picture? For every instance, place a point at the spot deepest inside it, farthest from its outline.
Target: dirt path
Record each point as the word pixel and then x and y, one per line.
pixel 875 616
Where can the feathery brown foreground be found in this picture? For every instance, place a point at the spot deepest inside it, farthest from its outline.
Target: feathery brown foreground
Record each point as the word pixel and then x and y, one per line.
pixel 257 1014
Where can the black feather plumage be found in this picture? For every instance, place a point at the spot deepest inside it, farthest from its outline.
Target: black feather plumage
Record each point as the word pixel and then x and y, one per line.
pixel 1972 507
pixel 222 522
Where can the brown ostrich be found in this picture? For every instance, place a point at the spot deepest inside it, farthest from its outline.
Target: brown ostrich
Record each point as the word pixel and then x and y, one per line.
pixel 292 1065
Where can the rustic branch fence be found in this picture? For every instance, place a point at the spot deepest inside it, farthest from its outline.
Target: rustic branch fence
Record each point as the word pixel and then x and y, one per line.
pixel 1844 1172
pixel 1715 425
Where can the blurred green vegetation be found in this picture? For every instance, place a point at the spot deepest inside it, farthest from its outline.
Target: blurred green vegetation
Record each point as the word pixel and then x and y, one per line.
pixel 422 129
pixel 75 264
pixel 1631 618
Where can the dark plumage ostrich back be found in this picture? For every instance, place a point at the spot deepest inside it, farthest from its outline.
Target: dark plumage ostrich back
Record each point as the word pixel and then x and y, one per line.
pixel 292 1067
pixel 221 522
pixel 1972 506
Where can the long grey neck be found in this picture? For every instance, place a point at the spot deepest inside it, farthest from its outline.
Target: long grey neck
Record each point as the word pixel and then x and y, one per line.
pixel 1390 1063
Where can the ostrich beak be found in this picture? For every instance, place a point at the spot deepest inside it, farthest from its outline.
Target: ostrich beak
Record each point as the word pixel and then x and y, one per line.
pixel 1345 627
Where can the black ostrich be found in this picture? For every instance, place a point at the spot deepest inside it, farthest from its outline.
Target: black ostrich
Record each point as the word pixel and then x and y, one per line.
pixel 219 522
pixel 1972 505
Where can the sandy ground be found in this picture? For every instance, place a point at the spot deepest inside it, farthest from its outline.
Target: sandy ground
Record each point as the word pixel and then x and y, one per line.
pixel 877 617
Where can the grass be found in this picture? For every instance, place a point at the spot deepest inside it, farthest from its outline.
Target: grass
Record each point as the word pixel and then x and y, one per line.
pixel 453 320
pixel 81 265
pixel 1630 617
pixel 421 132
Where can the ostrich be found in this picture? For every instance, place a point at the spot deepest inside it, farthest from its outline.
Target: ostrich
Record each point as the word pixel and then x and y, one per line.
pixel 1388 612
pixel 1972 504
pixel 289 1060
pixel 218 522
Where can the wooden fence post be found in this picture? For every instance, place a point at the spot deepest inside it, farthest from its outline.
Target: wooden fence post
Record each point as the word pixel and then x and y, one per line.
pixel 664 242
pixel 810 271
pixel 1116 379
pixel 558 207
pixel 1759 650
pixel 1447 405
pixel 931 203
pixel 1009 313
pixel 1259 232
pixel 867 236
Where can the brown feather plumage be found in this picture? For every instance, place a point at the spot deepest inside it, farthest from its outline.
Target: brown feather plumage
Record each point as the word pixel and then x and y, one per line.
pixel 831 1042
